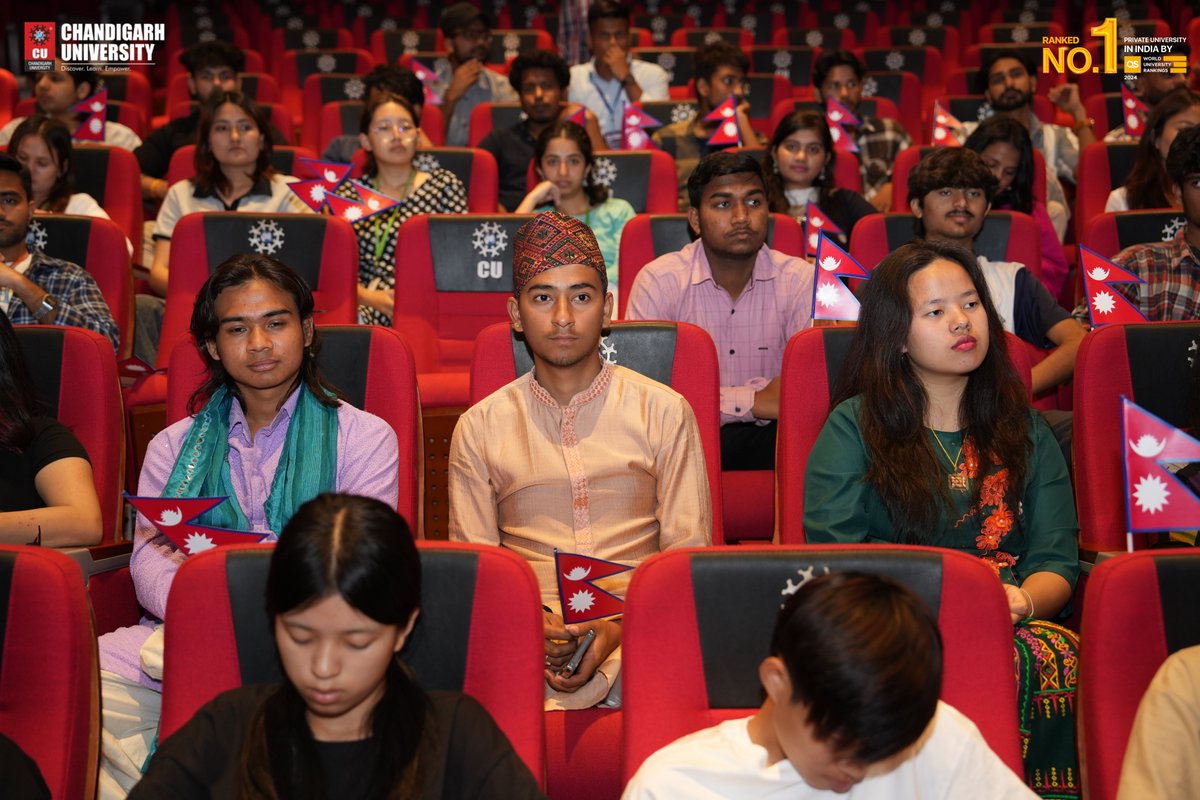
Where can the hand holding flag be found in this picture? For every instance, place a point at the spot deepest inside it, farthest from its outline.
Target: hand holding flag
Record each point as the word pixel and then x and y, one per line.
pixel 1105 305
pixel 581 599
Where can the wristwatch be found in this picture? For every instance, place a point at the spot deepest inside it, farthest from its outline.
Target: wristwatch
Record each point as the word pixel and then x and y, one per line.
pixel 49 306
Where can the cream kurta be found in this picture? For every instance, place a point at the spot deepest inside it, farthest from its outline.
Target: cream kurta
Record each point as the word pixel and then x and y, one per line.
pixel 617 474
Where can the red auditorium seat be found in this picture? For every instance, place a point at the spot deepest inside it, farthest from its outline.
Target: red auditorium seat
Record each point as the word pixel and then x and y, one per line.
pixel 50 675
pixel 643 178
pixel 458 278
pixel 795 64
pixel 111 175
pixel 677 354
pixel 1018 32
pixel 508 42
pixel 712 610
pixel 99 246
pixel 1139 609
pixel 923 62
pixel 296 65
pixel 820 37
pixel 765 91
pixel 130 87
pixel 9 95
pixel 388 46
pixel 696 36
pixel 1103 166
pixel 863 24
pixel 486 116
pixel 476 169
pixel 370 365
pixel 811 365
pixel 308 38
pixel 904 91
pixel 480 632
pixel 322 88
pixel 1147 363
pixel 944 38
pixel 1111 232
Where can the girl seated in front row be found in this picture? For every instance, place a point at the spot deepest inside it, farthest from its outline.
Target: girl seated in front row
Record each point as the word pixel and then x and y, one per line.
pixel 349 720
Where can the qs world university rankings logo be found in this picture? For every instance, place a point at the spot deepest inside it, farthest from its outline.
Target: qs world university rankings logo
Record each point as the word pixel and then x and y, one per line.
pixel 102 45
pixel 1122 50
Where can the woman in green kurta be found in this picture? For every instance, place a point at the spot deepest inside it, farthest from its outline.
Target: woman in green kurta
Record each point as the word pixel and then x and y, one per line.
pixel 932 442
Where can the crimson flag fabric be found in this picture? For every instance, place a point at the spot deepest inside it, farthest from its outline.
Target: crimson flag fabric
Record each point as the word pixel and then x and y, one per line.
pixel 842 141
pixel 92 127
pixel 838 114
pixel 944 126
pixel 328 175
pixel 581 599
pixel 1105 306
pixel 173 516
pixel 1156 500
pixel 815 221
pixel 579 117
pixel 633 129
pixel 427 77
pixel 1133 113
pixel 832 299
pixel 725 115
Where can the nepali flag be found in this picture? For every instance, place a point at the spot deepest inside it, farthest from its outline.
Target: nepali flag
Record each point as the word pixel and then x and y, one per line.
pixel 579 117
pixel 1156 500
pixel 173 516
pixel 831 298
pixel 427 77
pixel 815 221
pixel 842 141
pixel 581 599
pixel 96 109
pixel 1133 113
pixel 633 125
pixel 838 114
pixel 1105 305
pixel 329 175
pixel 944 126
pixel 725 115
pixel 373 200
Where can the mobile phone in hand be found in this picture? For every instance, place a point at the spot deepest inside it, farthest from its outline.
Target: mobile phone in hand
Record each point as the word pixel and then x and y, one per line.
pixel 580 652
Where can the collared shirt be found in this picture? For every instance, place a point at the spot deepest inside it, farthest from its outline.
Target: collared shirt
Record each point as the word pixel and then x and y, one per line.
pixel 513 149
pixel 115 134
pixel 266 196
pixel 607 98
pixel 679 139
pixel 80 303
pixel 1171 273
pixel 618 473
pixel 750 332
pixel 367 464
pixel 879 141
pixel 1025 306
pixel 489 87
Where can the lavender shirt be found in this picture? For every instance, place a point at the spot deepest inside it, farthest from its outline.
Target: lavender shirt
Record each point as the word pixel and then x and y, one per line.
pixel 367 464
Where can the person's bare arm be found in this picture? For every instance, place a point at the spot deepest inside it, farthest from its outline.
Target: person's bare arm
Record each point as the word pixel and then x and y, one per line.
pixel 72 513
pixel 1059 365
pixel 1048 592
pixel 608 638
pixel 159 270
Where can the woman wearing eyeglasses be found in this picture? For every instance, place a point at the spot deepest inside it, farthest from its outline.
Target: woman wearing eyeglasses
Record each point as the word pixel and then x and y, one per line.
pixel 388 133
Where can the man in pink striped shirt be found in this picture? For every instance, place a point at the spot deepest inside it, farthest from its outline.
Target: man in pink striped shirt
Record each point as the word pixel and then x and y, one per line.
pixel 749 298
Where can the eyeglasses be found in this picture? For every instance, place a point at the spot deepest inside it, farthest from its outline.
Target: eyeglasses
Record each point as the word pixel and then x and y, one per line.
pixel 403 131
pixel 475 35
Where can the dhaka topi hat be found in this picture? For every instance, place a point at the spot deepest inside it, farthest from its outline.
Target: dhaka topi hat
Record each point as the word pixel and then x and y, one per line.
pixel 553 239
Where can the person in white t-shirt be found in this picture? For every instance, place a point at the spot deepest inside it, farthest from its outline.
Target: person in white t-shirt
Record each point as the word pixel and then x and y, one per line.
pixel 851 709
pixel 59 90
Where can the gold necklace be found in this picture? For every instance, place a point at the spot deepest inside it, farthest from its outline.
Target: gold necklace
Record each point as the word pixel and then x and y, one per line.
pixel 957 480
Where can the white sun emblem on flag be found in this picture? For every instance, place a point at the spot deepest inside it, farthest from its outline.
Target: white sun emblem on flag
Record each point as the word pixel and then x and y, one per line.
pixel 827 295
pixel 1151 494
pixel 581 601
pixel 96 125
pixel 578 573
pixel 198 542
pixel 352 214
pixel 317 193
pixel 1104 303
pixel 829 263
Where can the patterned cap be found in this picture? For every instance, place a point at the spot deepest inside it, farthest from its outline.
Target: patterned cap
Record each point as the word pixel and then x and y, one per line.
pixel 553 239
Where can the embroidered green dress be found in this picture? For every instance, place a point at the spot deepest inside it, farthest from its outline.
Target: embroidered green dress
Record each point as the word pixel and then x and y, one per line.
pixel 1018 535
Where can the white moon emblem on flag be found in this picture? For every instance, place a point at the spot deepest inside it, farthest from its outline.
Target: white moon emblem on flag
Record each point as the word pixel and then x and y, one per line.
pixel 1147 446
pixel 578 573
pixel 829 263
pixel 330 176
pixel 1098 274
pixel 170 517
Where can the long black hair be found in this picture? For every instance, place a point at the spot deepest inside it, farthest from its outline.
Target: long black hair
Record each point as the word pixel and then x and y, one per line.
pixel 236 271
pixel 16 392
pixel 1148 185
pixel 825 182
pixel 1000 128
pixel 903 468
pixel 363 551
pixel 209 176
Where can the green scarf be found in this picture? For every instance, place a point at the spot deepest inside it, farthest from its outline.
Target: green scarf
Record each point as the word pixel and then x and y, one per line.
pixel 307 465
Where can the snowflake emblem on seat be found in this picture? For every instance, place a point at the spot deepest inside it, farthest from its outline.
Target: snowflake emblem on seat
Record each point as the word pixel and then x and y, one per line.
pixel 608 350
pixel 870 87
pixel 202 10
pixel 683 111
pixel 934 20
pixel 1150 494
pixel 1026 17
pixel 782 61
pixel 916 37
pixel 197 543
pixel 207 36
pixel 750 22
pixel 1193 349
pixel 311 39
pixel 410 40
pixel 712 36
pixel 841 21
pixel 426 162
pixel 862 7
pixel 814 38
pixel 777 8
pixel 1104 302
pixel 1172 228
pixel 36 236
pixel 667 61
pixel 511 43
pixel 388 25
pixel 39 35
pixel 365 11
pixel 531 13
pixel 947 7
pixel 730 7
pixel 694 11
pixel 204 23
pixel 326 63
pixel 604 171
pixel 581 601
pixel 294 24
pixel 489 239
pixel 894 60
pixel 1020 34
pixel 806 575
pixel 984 111
pixel 658 28
pixel 354 89
pixel 266 237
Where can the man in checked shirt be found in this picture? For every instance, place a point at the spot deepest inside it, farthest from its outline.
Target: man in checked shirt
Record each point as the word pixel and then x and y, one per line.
pixel 749 298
